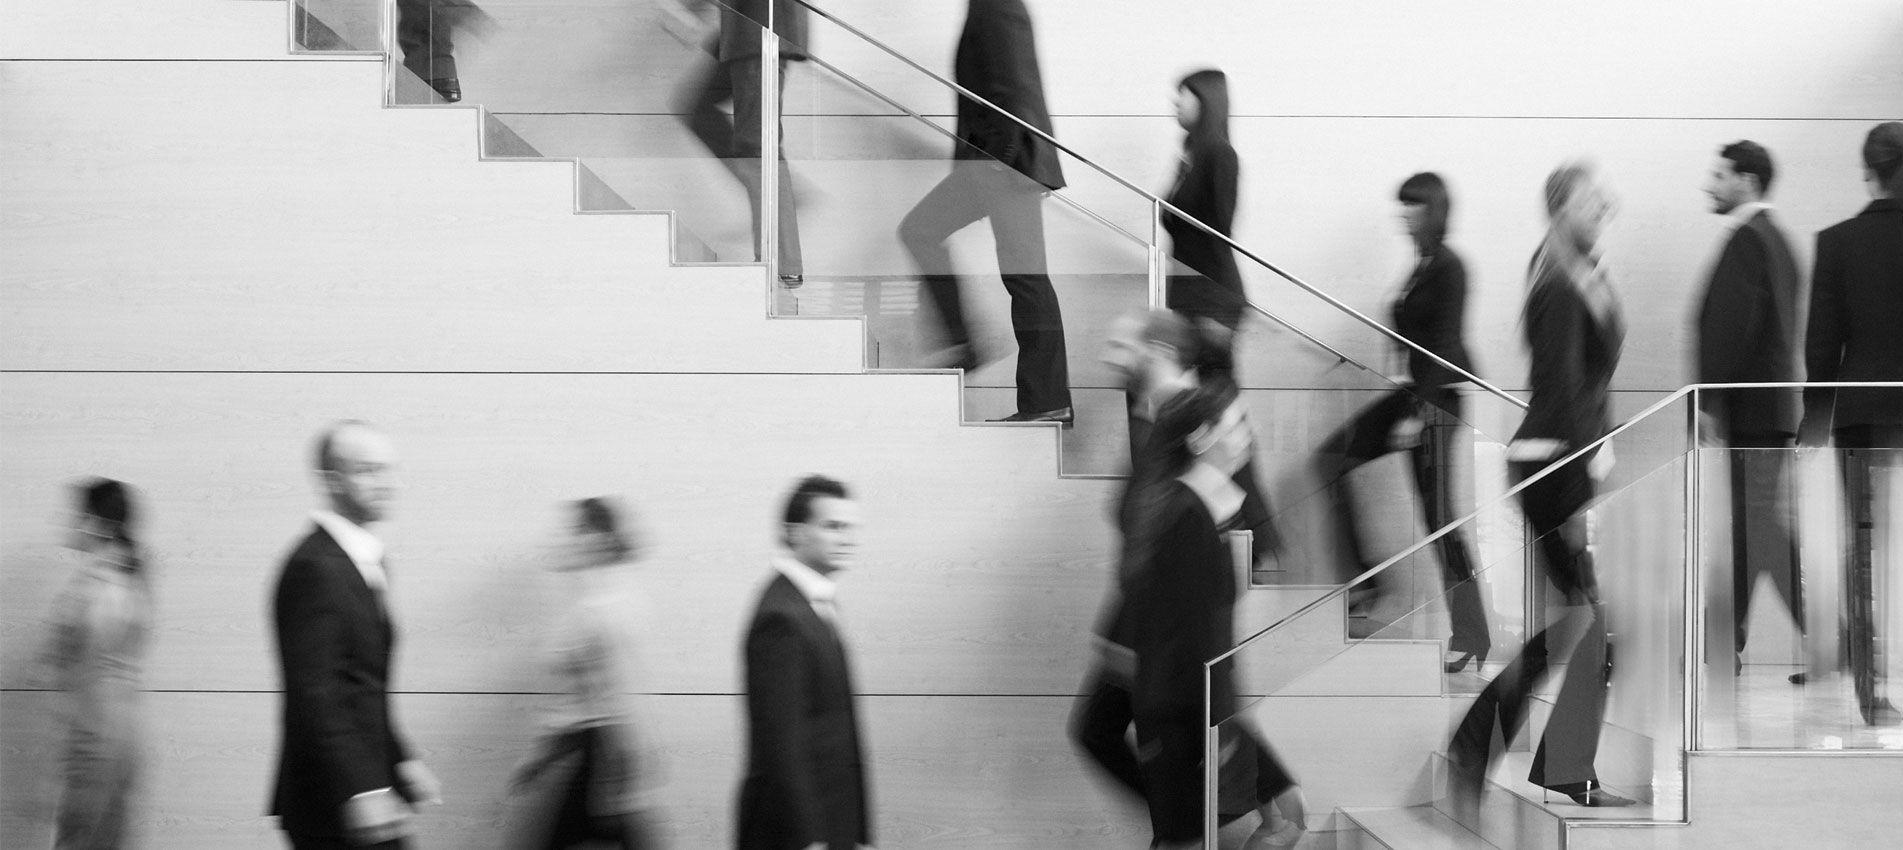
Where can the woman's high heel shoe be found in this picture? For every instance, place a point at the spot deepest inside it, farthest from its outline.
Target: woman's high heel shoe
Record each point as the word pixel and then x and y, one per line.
pixel 1455 665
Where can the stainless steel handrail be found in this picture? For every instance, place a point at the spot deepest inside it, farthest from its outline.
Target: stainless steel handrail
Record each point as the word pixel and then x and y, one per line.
pixel 1332 301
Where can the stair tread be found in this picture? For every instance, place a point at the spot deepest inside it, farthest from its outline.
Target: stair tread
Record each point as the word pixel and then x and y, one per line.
pixel 1416 828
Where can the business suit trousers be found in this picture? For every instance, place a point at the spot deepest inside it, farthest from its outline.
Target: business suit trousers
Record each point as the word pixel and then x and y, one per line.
pixel 425 31
pixel 1564 760
pixel 1100 726
pixel 1861 451
pixel 1761 522
pixel 1013 204
pixel 736 140
pixel 1445 444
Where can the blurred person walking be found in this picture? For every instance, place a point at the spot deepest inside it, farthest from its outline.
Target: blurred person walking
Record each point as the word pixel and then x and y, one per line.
pixel 1856 334
pixel 1000 172
pixel 346 776
pixel 1425 417
pixel 592 776
pixel 1747 333
pixel 732 76
pixel 1574 328
pixel 102 621
pixel 805 785
pixel 1182 596
pixel 1205 190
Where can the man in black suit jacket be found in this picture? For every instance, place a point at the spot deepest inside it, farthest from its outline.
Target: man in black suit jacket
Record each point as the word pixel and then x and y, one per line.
pixel 345 777
pixel 1000 170
pixel 1747 333
pixel 806 779
pixel 733 76
pixel 1855 316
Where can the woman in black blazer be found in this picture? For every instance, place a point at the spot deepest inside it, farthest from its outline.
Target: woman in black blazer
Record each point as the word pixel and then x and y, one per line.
pixel 1575 332
pixel 1423 417
pixel 1205 190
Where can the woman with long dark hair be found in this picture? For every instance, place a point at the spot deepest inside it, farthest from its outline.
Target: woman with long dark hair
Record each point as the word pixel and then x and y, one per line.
pixel 1574 331
pixel 592 774
pixel 1181 603
pixel 101 624
pixel 1205 190
pixel 1424 417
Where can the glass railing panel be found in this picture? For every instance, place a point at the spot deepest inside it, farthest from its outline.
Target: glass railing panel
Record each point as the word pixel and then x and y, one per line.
pixel 1800 550
pixel 336 26
pixel 1318 684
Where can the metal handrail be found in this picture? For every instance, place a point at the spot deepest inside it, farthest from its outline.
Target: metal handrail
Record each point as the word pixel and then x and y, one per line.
pixel 1676 395
pixel 1332 301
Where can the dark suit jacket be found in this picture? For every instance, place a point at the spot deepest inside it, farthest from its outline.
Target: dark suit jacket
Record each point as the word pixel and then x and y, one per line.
pixel 806 778
pixel 1432 312
pixel 742 20
pixel 1181 601
pixel 334 644
pixel 1574 353
pixel 1206 191
pixel 997 60
pixel 1747 330
pixel 1856 316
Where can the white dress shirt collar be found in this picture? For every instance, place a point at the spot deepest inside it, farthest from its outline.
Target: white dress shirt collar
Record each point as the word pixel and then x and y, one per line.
pixel 817 589
pixel 1742 213
pixel 362 545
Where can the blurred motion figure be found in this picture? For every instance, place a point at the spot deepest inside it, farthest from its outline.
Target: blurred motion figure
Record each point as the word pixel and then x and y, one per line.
pixel 1000 170
pixel 1205 190
pixel 1424 418
pixel 1856 334
pixel 592 775
pixel 1182 595
pixel 1747 333
pixel 101 623
pixel 1575 331
pixel 732 76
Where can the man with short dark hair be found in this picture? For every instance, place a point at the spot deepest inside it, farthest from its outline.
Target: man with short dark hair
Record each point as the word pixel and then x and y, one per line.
pixel 345 777
pixel 1747 333
pixel 1856 334
pixel 805 785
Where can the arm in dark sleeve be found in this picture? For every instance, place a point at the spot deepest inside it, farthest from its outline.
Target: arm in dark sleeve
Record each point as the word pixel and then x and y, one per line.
pixel 1447 323
pixel 1824 338
pixel 778 670
pixel 312 645
pixel 1555 320
pixel 1224 171
pixel 1736 310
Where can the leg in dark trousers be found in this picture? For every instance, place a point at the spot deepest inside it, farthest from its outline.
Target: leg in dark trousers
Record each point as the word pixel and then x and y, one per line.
pixel 1859 449
pixel 1100 726
pixel 1761 523
pixel 981 189
pixel 425 33
pixel 1361 440
pixel 1566 752
pixel 1445 441
pixel 1172 758
pixel 736 141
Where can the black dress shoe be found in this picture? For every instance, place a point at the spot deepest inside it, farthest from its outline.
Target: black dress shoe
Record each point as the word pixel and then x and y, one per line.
pixel 1798 678
pixel 792 281
pixel 448 88
pixel 1061 416
pixel 1600 798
